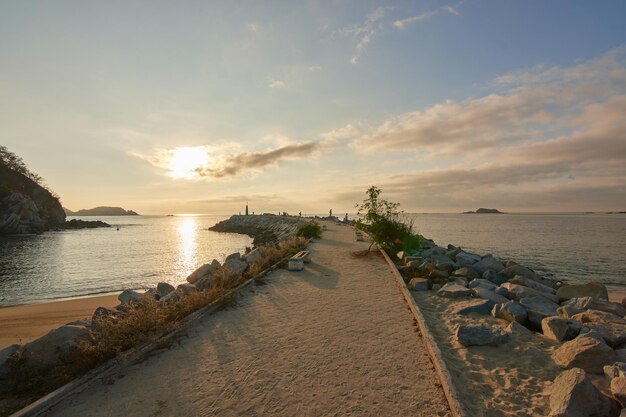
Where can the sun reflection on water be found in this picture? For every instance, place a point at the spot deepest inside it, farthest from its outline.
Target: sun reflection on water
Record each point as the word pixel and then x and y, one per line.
pixel 187 236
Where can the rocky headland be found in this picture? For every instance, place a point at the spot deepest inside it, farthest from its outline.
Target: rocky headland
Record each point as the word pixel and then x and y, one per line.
pixel 26 206
pixel 101 211
pixel 563 344
pixel 483 210
pixel 263 229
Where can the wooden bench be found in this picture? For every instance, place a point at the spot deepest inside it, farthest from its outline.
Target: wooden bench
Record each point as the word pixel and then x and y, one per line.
pixel 297 261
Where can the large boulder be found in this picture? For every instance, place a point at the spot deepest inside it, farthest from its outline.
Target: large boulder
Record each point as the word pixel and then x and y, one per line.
pixel 513 312
pixel 235 266
pixel 443 263
pixel 466 272
pixel 588 353
pixel 560 329
pixel 578 305
pixel 517 292
pixel 527 282
pixel 6 362
pixel 517 270
pixel 617 370
pixel 483 283
pixel 256 255
pixel 485 294
pixel 54 347
pixel 597 316
pixel 454 290
pixel 590 289
pixel 163 288
pixel 186 289
pixel 130 296
pixel 466 259
pixel 480 335
pixel 614 334
pixel 574 395
pixel 488 262
pixel 537 309
pixel 204 270
pixel 493 277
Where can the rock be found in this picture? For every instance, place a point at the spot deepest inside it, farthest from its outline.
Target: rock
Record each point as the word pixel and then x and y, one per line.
pixel 417 259
pixel 502 291
pixel 597 316
pixel 486 294
pixel 590 289
pixel 163 288
pixel 255 255
pixel 102 313
pixel 438 275
pixel 513 269
pixel 491 276
pixel 418 284
pixel 204 283
pixel 466 259
pixel 480 307
pixel 400 255
pixel 618 389
pixel 414 264
pixel 480 335
pixel 173 296
pixel 618 369
pixel 560 329
pixel 578 305
pixel 517 292
pixel 460 280
pixel 537 309
pixel 574 395
pixel 527 282
pixel 204 270
pixel 513 312
pixel 453 290
pixel 488 262
pixel 436 287
pixel 6 363
pixel 186 289
pixel 435 250
pixel 584 352
pixel 496 311
pixel 517 330
pixel 620 354
pixel 54 347
pixel 614 334
pixel 130 296
pixel 483 283
pixel 235 266
pixel 234 255
pixel 469 273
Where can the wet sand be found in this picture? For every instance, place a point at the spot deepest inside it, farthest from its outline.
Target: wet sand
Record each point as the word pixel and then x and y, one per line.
pixel 22 324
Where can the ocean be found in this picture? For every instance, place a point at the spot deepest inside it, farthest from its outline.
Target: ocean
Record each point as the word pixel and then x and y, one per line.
pixel 150 249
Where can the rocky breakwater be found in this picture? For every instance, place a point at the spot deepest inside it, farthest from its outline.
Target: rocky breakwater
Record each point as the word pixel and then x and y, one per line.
pixel 25 206
pixel 263 229
pixel 590 331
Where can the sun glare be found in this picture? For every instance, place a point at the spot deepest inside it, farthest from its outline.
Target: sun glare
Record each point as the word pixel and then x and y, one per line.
pixel 184 162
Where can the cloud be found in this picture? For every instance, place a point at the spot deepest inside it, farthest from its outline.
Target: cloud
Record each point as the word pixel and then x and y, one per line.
pixel 276 84
pixel 252 27
pixel 403 23
pixel 366 31
pixel 346 132
pixel 199 162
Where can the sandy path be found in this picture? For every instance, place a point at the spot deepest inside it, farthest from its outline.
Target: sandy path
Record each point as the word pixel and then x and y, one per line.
pixel 335 339
pixel 22 324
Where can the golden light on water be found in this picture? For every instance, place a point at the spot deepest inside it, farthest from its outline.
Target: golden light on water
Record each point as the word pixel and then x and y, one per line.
pixel 187 236
pixel 184 161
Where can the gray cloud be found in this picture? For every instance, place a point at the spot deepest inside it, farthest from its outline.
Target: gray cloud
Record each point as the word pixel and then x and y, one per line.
pixel 232 165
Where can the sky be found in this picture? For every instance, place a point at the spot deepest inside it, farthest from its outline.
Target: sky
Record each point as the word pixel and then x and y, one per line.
pixel 199 107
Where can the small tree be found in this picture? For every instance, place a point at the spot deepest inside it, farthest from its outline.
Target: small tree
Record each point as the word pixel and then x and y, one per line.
pixel 380 219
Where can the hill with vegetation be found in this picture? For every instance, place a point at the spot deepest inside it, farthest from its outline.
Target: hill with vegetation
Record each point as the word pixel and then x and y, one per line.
pixel 484 211
pixel 101 211
pixel 26 203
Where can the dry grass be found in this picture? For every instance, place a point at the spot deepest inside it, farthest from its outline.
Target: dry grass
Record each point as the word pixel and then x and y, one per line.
pixel 138 324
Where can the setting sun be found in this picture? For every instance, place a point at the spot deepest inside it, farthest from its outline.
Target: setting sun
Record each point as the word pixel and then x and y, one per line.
pixel 183 162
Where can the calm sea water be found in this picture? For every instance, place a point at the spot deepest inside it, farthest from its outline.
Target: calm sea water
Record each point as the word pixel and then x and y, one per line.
pixel 574 247
pixel 145 251
pixel 149 249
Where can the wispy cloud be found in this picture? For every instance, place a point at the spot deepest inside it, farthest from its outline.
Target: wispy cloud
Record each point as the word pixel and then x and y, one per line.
pixel 403 23
pixel 365 32
pixel 276 84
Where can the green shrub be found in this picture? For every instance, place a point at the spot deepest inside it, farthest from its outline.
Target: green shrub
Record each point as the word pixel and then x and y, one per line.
pixel 310 230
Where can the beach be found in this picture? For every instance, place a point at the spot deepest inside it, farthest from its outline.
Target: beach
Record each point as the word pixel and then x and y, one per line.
pixel 22 324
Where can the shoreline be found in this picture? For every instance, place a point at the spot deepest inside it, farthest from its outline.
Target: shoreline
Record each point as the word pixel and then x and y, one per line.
pixel 24 323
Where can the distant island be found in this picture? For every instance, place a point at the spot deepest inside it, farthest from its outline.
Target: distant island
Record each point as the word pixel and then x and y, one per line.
pixel 101 211
pixel 484 211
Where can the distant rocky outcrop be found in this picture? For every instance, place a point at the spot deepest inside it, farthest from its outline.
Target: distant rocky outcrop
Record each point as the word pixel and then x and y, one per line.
pixel 101 211
pixel 25 205
pixel 84 224
pixel 262 228
pixel 484 211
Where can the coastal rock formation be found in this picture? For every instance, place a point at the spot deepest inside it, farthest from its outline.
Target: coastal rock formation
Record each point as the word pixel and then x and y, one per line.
pixel 588 353
pixel 54 347
pixel 589 289
pixel 560 329
pixel 262 228
pixel 84 224
pixel 32 209
pixel 481 335
pixel 484 211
